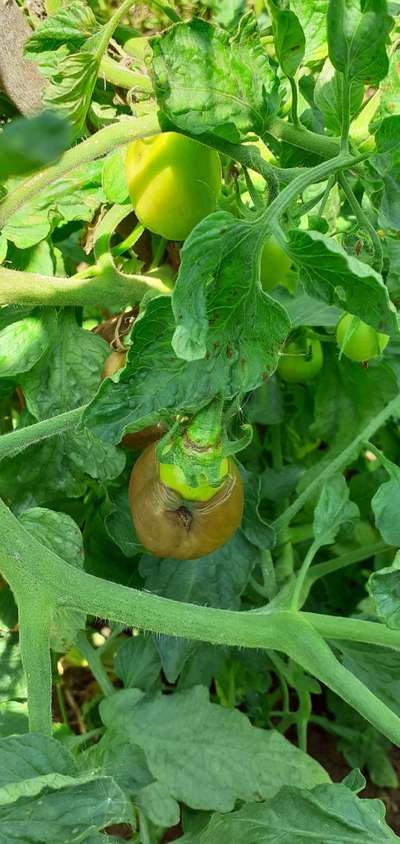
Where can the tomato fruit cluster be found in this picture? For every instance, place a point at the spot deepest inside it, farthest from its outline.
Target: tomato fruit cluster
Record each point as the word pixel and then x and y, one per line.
pixel 358 340
pixel 173 183
pixel 170 525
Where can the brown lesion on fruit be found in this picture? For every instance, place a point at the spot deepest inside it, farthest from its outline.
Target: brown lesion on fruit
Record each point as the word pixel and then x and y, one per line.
pixel 183 516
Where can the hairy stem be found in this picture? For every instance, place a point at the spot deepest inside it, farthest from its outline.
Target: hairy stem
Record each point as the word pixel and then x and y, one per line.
pixel 123 77
pixel 108 288
pixel 16 441
pixel 98 145
pixel 35 612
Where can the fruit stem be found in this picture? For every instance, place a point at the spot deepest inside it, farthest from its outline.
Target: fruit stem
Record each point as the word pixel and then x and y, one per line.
pixel 204 432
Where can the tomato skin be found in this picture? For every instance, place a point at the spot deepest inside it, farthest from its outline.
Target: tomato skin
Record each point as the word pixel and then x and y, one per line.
pixel 365 343
pixel 169 526
pixel 301 362
pixel 275 265
pixel 173 183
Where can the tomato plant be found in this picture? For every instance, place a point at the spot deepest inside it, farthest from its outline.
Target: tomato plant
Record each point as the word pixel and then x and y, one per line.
pixel 173 182
pixel 199 560
pixel 359 341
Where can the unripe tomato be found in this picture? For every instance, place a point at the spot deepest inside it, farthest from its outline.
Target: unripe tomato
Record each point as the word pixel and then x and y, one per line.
pixel 301 361
pixel 275 265
pixel 114 362
pixel 364 343
pixel 173 182
pixel 171 526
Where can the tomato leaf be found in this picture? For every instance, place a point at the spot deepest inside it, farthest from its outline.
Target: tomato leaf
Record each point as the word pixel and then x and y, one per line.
pixel 335 808
pixel 387 163
pixel 384 588
pixel 357 37
pixel 333 511
pixel 231 82
pixel 27 144
pixel 214 298
pixel 330 274
pixel 328 95
pixel 289 38
pixel 206 781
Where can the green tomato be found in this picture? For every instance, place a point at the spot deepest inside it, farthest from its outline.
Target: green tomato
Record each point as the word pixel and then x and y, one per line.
pixel 173 183
pixel 275 265
pixel 301 361
pixel 363 341
pixel 173 477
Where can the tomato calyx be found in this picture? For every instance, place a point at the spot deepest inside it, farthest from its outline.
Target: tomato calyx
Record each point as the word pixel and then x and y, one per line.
pixel 194 458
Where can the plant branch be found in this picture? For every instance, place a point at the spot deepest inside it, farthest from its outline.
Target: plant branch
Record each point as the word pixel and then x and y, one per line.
pixel 29 567
pixel 102 288
pixel 35 613
pixel 16 441
pixel 123 77
pixel 103 142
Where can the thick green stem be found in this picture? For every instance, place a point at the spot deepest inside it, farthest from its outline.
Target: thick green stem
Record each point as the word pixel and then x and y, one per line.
pixel 299 136
pixel 16 441
pixel 108 288
pixel 354 630
pixel 123 77
pixel 98 145
pixel 35 613
pixel 30 567
pixel 337 464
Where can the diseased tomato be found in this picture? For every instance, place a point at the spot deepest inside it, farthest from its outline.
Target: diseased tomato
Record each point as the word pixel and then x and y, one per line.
pixel 173 183
pixel 358 340
pixel 301 360
pixel 275 265
pixel 171 526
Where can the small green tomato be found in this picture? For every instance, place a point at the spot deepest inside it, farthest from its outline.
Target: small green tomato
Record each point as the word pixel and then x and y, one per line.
pixel 275 265
pixel 301 362
pixel 363 341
